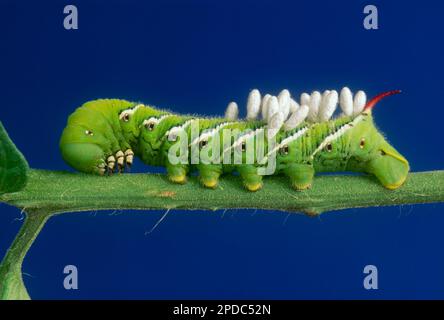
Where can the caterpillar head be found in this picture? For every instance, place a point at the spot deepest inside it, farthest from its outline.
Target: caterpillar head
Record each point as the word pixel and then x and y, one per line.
pixel 89 140
pixel 373 153
pixel 83 149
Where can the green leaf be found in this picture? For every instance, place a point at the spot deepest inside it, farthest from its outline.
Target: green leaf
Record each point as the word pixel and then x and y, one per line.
pixel 13 165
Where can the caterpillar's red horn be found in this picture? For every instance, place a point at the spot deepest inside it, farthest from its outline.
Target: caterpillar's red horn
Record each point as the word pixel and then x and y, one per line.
pixel 376 99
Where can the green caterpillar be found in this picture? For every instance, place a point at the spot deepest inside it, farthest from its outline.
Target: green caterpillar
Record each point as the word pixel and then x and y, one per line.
pixel 293 139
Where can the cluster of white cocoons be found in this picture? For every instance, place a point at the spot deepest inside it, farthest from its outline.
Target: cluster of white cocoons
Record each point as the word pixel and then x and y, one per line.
pixel 284 111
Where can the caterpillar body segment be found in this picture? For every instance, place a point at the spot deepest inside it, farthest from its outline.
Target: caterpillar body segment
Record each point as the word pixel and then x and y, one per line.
pixel 292 139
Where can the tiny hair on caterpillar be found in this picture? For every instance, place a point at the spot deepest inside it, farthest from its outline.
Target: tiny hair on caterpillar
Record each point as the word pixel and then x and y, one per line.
pixel 294 137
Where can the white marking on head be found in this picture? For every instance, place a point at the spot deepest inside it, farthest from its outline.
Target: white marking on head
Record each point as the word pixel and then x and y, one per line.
pixel 253 104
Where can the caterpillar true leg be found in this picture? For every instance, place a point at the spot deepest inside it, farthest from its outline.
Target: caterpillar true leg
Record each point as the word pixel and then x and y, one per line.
pixel 129 156
pixel 110 163
pixel 101 168
pixel 120 160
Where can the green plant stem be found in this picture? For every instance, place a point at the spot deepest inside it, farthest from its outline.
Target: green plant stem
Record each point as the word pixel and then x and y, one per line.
pixel 57 192
pixel 11 280
pixel 51 192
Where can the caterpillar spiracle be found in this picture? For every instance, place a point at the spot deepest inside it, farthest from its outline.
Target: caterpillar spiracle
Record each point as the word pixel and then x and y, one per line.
pixel 297 138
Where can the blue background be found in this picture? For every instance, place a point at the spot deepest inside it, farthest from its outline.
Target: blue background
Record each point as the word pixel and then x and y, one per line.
pixel 196 56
